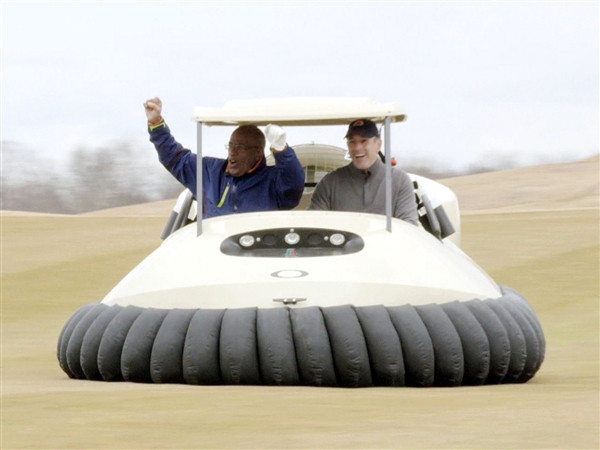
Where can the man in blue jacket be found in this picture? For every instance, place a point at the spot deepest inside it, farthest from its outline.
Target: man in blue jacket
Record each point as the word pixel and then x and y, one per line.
pixel 241 183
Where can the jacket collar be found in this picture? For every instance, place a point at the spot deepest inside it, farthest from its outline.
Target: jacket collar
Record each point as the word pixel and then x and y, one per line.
pixel 257 168
pixel 375 169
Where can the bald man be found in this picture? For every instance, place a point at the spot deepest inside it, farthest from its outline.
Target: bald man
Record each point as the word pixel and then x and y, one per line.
pixel 240 183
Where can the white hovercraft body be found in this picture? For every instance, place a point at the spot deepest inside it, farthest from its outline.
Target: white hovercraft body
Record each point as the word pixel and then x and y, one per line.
pixel 408 265
pixel 316 298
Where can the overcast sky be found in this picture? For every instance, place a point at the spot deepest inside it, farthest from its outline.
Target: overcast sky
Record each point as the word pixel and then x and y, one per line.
pixel 478 80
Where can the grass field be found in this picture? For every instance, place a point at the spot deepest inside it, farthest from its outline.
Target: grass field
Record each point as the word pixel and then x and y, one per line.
pixel 52 265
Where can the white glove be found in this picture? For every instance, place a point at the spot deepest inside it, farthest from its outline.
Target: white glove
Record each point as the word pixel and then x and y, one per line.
pixel 276 137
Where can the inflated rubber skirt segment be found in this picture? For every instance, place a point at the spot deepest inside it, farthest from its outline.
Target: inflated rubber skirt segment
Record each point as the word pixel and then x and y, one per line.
pixel 457 343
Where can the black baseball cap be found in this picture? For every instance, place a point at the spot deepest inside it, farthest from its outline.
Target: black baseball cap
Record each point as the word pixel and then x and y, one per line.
pixel 363 127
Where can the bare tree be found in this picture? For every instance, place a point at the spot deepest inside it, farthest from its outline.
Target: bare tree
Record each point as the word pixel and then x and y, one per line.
pixel 91 179
pixel 116 176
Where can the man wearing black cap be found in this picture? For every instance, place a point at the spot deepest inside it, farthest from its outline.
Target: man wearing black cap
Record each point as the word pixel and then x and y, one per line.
pixel 360 186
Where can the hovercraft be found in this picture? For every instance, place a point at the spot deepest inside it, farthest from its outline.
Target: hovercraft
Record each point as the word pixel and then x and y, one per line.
pixel 319 298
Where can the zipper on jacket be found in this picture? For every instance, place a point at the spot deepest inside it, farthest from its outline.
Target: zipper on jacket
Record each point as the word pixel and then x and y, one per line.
pixel 224 196
pixel 234 196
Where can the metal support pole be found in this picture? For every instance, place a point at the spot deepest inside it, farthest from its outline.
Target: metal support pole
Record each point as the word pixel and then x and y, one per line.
pixel 199 179
pixel 388 174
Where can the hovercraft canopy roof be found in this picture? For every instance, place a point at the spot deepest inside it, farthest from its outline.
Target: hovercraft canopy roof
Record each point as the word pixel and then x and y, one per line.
pixel 298 112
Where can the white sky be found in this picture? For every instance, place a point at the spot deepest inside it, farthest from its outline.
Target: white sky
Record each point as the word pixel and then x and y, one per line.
pixel 479 80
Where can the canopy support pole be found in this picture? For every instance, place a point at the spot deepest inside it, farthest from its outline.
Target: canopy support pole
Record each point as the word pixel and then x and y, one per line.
pixel 388 173
pixel 199 197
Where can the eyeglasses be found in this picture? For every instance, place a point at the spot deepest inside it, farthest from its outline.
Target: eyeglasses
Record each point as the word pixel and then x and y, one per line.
pixel 240 147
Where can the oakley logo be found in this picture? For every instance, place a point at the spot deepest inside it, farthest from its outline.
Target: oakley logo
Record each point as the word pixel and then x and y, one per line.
pixel 289 274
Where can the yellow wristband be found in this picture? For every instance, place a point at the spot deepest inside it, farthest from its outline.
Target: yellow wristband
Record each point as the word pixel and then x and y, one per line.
pixel 158 125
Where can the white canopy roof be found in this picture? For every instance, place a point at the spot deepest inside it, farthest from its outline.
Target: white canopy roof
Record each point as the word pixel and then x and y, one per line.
pixel 299 111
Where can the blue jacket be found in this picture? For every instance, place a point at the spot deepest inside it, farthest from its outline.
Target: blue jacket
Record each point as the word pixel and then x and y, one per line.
pixel 267 188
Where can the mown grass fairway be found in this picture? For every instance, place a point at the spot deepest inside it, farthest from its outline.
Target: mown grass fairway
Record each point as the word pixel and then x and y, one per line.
pixel 53 265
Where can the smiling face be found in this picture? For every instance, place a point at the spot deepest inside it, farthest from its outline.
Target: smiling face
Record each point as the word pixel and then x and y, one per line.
pixel 363 151
pixel 245 150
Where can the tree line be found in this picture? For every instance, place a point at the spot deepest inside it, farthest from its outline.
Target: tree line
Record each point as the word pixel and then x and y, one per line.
pixel 89 179
pixel 108 176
